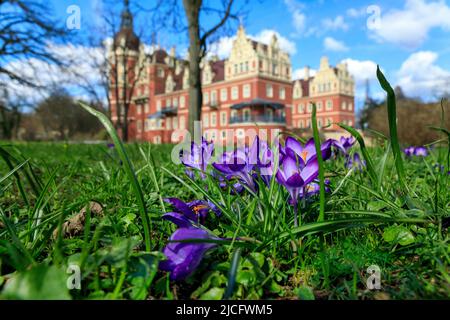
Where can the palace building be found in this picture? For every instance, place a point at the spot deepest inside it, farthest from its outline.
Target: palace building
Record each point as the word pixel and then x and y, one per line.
pixel 252 88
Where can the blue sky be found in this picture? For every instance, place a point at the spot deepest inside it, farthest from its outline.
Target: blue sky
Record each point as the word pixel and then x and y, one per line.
pixel 410 40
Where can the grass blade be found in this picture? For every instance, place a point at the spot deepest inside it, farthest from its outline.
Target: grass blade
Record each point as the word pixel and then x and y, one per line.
pixel 129 171
pixel 320 161
pixel 369 163
pixel 392 117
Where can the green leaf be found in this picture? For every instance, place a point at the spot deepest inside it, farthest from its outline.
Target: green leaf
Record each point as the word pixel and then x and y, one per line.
pixel 398 234
pixel 38 283
pixel 305 293
pixel 246 278
pixel 213 294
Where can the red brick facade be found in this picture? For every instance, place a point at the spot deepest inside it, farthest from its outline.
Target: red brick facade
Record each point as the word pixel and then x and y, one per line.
pixel 251 93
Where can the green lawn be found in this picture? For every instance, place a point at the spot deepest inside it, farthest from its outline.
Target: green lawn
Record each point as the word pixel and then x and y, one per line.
pixel 402 231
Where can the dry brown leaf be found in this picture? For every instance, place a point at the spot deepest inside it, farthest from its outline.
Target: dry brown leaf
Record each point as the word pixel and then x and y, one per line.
pixel 75 225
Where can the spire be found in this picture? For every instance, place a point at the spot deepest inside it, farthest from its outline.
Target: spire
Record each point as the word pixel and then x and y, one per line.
pixel 127 17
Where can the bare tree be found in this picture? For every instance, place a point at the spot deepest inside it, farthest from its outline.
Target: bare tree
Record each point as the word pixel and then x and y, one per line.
pixel 168 13
pixel 25 31
pixel 117 79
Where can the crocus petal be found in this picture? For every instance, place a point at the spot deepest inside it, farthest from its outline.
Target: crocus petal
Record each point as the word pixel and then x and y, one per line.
pixel 179 219
pixel 184 257
pixel 294 145
pixel 310 171
pixel 295 181
pixel 181 207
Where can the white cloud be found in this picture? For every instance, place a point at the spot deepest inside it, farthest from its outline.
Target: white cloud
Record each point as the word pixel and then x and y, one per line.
pixel 265 36
pixel 300 73
pixel 419 76
pixel 223 46
pixel 80 61
pixel 410 26
pixel 335 24
pixel 328 25
pixel 298 17
pixel 356 13
pixel 363 71
pixel 332 44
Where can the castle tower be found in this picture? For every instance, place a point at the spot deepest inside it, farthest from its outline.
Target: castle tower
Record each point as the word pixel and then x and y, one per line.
pixel 124 55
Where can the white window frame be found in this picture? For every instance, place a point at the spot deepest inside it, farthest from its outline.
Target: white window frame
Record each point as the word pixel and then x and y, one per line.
pixel 182 102
pixel 206 120
pixel 175 123
pixel 223 118
pixel 223 94
pixel 269 90
pixel 206 97
pixel 213 119
pixel 246 91
pixel 319 106
pixel 329 105
pixel 235 93
pixel 182 122
pixel 282 93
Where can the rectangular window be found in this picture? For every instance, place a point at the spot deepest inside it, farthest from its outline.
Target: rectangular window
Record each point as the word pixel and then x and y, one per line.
pixel 206 98
pixel 168 124
pixel 214 98
pixel 223 118
pixel 213 119
pixel 175 122
pixel 206 120
pixel 235 93
pixel 182 102
pixel 223 95
pixel 138 109
pixel 319 106
pixel 329 105
pixel 175 102
pixel 246 90
pixel 139 126
pixel 182 123
pixel 147 107
pixel 344 105
pixel 310 107
pixel 269 91
pixel 282 93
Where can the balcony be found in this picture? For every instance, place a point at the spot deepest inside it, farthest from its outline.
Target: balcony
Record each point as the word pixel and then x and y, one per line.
pixel 258 119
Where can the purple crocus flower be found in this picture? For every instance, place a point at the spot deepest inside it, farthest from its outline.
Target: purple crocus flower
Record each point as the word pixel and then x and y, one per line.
pixel 409 151
pixel 344 144
pixel 307 152
pixel 110 145
pixel 185 214
pixel 184 257
pixel 420 152
pixel 314 188
pixel 198 157
pixel 294 174
pixel 237 164
pixel 355 162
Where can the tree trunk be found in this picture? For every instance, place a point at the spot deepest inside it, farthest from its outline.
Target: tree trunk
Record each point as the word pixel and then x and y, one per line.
pixel 192 9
